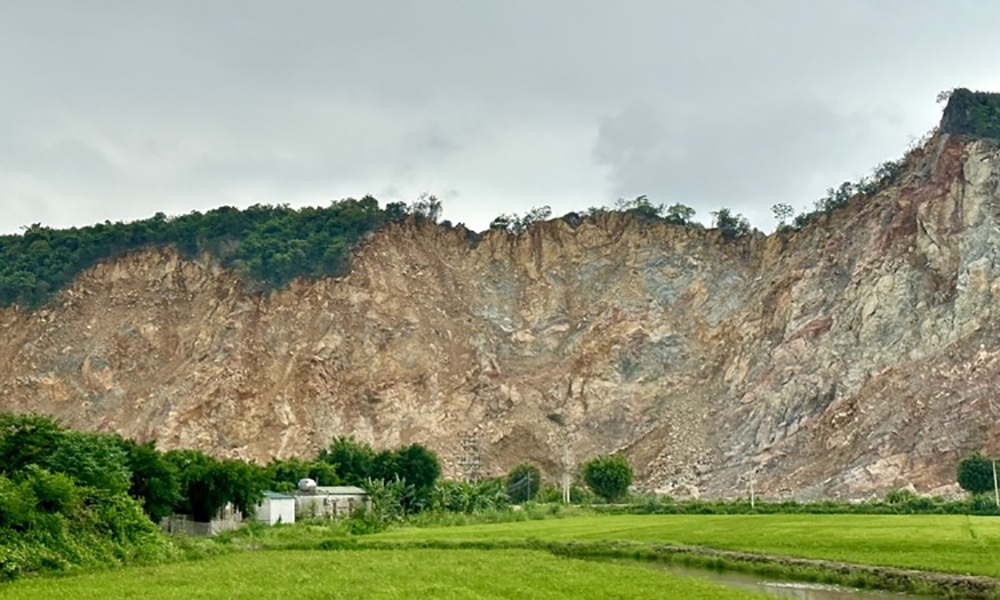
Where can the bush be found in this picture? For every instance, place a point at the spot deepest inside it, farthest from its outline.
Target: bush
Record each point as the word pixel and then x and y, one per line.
pixel 608 476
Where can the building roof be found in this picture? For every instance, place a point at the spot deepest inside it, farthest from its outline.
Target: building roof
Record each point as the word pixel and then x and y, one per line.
pixel 341 490
pixel 276 496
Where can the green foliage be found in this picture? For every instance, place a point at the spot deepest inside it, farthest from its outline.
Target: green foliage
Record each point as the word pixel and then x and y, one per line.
pixel 353 460
pixel 608 476
pixel 469 498
pixel 523 483
pixel 782 213
pixel 389 501
pixel 427 207
pixel 49 522
pixel 835 198
pixel 516 224
pixel 357 463
pixel 293 470
pixel 419 467
pixel 679 214
pixel 208 484
pixel 640 206
pixel 732 226
pixel 972 113
pixel 975 473
pixel 155 481
pixel 90 459
pixel 266 245
pixel 26 440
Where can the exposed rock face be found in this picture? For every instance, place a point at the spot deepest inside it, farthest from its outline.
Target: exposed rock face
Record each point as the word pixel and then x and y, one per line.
pixel 857 355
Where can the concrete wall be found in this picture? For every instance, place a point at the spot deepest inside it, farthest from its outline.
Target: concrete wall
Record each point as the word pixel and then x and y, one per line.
pixel 326 506
pixel 182 524
pixel 275 510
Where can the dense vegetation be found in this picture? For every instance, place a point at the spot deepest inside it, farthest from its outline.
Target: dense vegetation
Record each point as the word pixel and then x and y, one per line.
pixel 266 245
pixel 64 500
pixel 972 113
pixel 70 498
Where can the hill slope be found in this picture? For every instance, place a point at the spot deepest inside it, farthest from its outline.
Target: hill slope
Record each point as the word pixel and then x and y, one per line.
pixel 856 355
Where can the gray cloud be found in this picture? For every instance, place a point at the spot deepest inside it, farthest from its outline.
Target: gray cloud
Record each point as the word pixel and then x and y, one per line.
pixel 117 110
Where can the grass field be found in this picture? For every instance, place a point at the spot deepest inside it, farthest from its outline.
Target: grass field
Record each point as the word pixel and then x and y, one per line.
pixel 948 543
pixel 403 569
pixel 377 574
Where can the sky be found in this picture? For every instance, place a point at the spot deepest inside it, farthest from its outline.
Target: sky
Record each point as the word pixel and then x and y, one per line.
pixel 116 110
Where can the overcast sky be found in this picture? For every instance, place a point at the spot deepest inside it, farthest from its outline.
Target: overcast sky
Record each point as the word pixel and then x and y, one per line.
pixel 118 110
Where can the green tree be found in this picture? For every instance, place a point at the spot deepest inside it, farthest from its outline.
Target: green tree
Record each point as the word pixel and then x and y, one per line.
pixel 975 473
pixel 291 471
pixel 155 481
pixel 91 459
pixel 353 460
pixel 417 466
pixel 679 214
pixel 608 476
pixel 26 440
pixel 523 483
pixel 208 484
pixel 731 225
pixel 782 213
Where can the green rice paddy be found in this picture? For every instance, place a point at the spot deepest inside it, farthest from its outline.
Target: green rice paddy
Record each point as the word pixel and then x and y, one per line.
pixel 947 543
pixel 502 563
pixel 378 575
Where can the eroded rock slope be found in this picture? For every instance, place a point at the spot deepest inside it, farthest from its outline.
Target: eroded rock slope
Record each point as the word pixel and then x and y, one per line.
pixel 857 355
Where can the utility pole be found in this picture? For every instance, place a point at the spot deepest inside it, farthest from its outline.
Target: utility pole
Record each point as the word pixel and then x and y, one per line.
pixel 751 489
pixel 565 477
pixel 996 492
pixel 558 420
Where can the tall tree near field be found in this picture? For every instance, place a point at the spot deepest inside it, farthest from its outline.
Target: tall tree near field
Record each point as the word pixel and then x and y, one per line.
pixel 608 476
pixel 975 474
pixel 353 460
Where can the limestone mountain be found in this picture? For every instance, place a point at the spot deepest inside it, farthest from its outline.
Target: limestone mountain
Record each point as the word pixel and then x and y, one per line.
pixel 857 354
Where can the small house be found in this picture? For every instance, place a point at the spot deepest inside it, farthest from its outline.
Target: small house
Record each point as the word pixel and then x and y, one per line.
pixel 328 502
pixel 275 508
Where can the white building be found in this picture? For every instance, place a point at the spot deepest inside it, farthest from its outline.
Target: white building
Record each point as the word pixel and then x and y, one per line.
pixel 312 501
pixel 275 508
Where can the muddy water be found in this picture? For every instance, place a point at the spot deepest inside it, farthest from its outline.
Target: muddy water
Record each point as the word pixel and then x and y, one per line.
pixel 786 589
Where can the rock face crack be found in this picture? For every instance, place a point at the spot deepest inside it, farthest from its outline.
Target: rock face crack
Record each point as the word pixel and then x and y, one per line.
pixel 851 357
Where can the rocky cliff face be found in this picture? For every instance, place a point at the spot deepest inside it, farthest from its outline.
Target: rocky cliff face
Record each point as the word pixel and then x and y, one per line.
pixel 857 355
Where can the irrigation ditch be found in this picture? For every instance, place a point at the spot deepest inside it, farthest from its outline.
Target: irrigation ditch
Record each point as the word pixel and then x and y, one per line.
pixel 709 560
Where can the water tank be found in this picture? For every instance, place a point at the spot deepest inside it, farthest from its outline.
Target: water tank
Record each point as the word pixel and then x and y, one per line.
pixel 307 485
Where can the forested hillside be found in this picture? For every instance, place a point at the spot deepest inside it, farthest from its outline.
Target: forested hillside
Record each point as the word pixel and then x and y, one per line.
pixel 266 246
